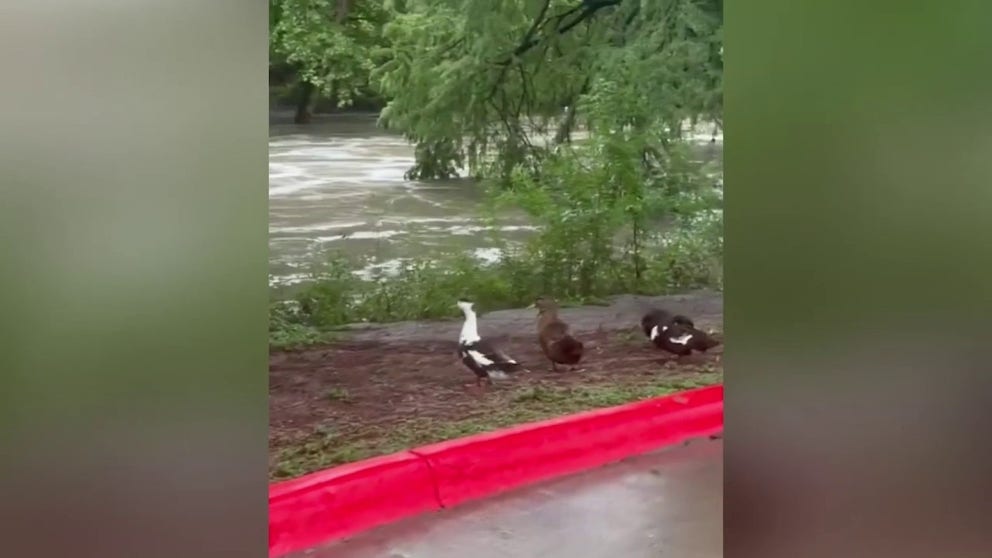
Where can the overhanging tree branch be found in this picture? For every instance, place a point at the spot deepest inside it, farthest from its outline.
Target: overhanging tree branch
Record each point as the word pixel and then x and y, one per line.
pixel 341 10
pixel 586 10
pixel 529 36
pixel 538 22
pixel 562 24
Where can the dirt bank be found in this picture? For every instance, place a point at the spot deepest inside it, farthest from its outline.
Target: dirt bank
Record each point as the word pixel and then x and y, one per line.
pixel 624 311
pixel 386 387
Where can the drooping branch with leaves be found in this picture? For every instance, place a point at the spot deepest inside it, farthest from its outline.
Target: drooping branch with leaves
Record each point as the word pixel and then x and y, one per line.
pixel 500 88
pixel 477 82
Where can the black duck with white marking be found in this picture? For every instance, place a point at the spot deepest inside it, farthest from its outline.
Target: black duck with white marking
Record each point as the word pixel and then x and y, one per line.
pixel 480 356
pixel 675 333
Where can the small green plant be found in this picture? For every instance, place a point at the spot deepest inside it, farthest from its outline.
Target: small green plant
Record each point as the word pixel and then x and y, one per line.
pixel 338 394
pixel 536 394
pixel 288 328
pixel 630 336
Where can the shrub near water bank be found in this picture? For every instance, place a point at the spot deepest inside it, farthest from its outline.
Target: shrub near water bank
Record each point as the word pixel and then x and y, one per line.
pixel 425 288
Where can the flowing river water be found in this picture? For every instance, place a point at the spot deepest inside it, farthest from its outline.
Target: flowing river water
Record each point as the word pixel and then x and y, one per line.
pixel 336 184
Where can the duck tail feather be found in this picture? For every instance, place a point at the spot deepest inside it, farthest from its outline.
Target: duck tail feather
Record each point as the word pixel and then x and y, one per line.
pixel 703 340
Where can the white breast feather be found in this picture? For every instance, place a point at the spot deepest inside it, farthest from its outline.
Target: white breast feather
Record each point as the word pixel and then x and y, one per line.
pixel 681 340
pixel 480 358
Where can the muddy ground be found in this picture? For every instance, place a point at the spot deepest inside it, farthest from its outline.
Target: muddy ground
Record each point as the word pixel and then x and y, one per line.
pixel 382 388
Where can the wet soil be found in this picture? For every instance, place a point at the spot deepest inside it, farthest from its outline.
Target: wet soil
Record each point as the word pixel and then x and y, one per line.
pixel 383 388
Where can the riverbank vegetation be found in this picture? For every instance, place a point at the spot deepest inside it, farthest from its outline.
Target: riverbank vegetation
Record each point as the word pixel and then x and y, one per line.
pixel 573 110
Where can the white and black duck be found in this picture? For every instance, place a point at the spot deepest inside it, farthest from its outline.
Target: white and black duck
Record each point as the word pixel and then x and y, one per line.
pixel 479 355
pixel 675 333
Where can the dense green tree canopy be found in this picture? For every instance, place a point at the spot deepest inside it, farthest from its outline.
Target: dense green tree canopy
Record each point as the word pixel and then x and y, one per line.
pixel 479 82
pixel 333 45
pixel 479 79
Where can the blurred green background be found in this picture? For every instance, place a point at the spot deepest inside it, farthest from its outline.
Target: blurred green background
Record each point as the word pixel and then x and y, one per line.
pixel 857 259
pixel 133 142
pixel 133 226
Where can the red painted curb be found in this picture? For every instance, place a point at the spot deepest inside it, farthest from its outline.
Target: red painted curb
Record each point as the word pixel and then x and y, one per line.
pixel 342 501
pixel 486 464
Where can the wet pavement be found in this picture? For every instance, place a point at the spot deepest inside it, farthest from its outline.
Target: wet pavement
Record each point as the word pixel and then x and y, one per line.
pixel 666 504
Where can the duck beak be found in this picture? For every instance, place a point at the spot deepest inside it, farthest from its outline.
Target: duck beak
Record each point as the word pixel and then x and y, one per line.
pixel 532 306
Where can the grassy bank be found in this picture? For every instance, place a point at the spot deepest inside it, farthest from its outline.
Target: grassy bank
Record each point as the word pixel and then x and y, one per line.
pixel 685 259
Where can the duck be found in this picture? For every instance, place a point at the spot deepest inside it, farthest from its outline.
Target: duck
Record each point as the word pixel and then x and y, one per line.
pixel 675 333
pixel 553 335
pixel 480 356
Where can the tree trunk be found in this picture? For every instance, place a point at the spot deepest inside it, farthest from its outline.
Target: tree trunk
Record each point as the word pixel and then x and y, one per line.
pixel 303 112
pixel 637 254
pixel 341 13
pixel 565 129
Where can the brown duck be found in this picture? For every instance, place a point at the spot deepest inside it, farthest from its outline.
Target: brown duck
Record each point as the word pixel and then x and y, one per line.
pixel 552 333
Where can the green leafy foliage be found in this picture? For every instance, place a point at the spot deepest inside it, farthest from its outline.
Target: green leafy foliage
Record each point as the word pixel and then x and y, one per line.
pixel 607 219
pixel 333 44
pixel 489 79
pixel 289 328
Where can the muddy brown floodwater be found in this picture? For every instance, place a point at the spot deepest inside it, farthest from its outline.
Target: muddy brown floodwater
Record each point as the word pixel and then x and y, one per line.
pixel 384 388
pixel 337 184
